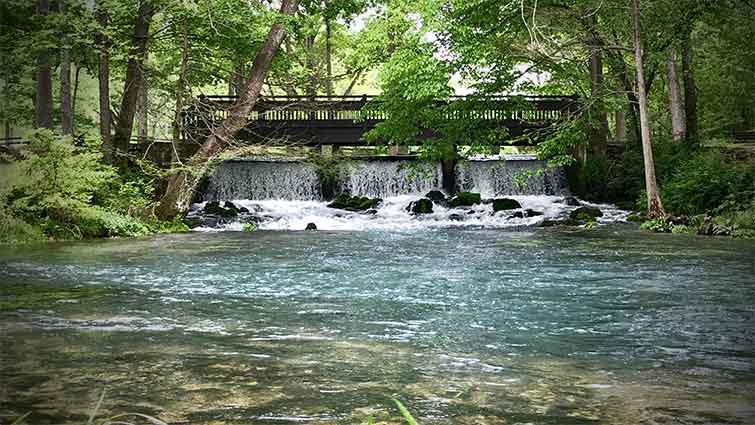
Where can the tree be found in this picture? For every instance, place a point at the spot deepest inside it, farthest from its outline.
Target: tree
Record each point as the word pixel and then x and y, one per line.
pixel 182 185
pixel 655 208
pixel 66 108
pixel 674 99
pixel 43 103
pixel 133 81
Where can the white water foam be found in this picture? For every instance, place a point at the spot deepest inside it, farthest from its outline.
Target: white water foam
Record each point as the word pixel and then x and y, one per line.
pixel 392 215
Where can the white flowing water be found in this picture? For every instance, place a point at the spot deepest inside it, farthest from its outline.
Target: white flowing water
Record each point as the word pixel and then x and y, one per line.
pixel 289 195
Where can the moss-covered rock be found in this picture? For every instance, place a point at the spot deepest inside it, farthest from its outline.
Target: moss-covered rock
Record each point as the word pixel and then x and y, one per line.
pixel 585 214
pixel 214 208
pixel 420 206
pixel 354 203
pixel 437 197
pixel 465 199
pixel 503 204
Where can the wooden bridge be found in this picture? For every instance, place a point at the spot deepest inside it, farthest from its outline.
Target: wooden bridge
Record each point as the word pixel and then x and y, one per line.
pixel 342 121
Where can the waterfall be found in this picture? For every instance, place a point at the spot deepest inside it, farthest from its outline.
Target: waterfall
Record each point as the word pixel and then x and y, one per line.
pixel 263 180
pixel 381 179
pixel 510 177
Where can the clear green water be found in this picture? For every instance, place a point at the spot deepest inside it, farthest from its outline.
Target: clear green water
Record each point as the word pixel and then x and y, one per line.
pixel 465 326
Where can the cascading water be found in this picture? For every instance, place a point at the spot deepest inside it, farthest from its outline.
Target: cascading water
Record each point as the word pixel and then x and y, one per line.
pixel 382 179
pixel 289 195
pixel 260 180
pixel 510 177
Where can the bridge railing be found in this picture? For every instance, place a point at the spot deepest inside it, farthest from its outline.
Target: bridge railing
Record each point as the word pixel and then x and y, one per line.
pixel 352 108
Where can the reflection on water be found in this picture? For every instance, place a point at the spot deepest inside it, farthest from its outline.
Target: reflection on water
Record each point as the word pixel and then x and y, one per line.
pixel 465 326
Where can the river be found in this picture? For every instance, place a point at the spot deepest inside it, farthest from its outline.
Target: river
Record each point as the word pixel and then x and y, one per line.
pixel 464 325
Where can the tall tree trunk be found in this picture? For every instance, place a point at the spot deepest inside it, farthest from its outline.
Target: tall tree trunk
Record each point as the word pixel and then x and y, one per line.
pixel 132 85
pixel 690 91
pixel 328 61
pixel 104 83
pixel 181 185
pixel 142 105
pixel 621 127
pixel 75 96
pixel 655 208
pixel 674 99
pixel 43 97
pixel 180 88
pixel 66 110
pixel 599 118
pixel 312 80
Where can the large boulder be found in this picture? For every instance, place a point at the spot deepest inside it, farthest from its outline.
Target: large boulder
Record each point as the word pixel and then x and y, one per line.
pixel 465 199
pixel 585 214
pixel 354 203
pixel 503 204
pixel 420 206
pixel 311 226
pixel 436 196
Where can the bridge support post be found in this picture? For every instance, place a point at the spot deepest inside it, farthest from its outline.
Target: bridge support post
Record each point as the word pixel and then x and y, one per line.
pixel 448 172
pixel 328 150
pixel 395 150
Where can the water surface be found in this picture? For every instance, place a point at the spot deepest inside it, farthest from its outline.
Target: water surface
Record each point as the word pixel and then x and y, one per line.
pixel 541 326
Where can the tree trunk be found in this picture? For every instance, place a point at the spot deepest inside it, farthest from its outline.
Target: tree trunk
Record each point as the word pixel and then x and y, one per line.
pixel 181 185
pixel 142 105
pixel 75 95
pixel 43 98
pixel 674 99
pixel 328 61
pixel 180 88
pixel 655 208
pixel 66 110
pixel 690 91
pixel 621 127
pixel 599 118
pixel 104 85
pixel 133 82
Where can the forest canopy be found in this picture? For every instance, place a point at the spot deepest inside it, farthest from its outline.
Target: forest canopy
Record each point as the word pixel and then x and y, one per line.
pixel 653 76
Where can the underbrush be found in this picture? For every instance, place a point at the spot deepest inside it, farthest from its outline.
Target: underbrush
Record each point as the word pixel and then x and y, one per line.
pixel 703 191
pixel 62 191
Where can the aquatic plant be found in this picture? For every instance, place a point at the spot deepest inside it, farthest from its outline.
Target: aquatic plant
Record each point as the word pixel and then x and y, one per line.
pixel 405 413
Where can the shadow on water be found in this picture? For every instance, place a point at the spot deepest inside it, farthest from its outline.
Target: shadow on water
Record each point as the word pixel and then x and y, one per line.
pixel 543 326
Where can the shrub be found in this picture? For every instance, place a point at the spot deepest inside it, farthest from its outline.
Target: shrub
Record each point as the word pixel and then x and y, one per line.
pixel 14 230
pixel 658 225
pixel 66 192
pixel 708 183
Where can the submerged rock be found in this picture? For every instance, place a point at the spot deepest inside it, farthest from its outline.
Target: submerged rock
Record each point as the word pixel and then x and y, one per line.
pixel 526 214
pixel 436 196
pixel 420 206
pixel 354 203
pixel 456 217
pixel 502 204
pixel 311 226
pixel 465 199
pixel 570 201
pixel 585 214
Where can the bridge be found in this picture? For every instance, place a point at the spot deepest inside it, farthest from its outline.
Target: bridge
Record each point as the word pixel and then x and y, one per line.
pixel 342 121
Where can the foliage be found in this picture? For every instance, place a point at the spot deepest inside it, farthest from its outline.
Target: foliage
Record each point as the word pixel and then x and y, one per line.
pixel 66 192
pixel 249 227
pixel 658 225
pixel 707 182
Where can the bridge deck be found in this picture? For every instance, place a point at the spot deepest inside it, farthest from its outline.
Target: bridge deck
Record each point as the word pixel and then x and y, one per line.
pixel 344 120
